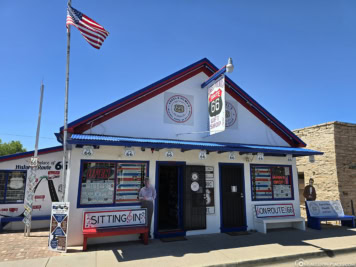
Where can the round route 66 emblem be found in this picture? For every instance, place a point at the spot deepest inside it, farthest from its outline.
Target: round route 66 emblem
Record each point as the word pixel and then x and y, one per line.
pixel 179 109
pixel 230 114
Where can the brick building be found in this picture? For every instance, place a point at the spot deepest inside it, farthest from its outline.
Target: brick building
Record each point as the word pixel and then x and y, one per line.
pixel 334 172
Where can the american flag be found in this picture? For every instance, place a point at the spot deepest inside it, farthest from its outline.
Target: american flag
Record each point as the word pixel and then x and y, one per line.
pixel 93 32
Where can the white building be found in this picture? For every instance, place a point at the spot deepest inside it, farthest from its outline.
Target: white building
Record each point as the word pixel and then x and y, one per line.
pixel 205 183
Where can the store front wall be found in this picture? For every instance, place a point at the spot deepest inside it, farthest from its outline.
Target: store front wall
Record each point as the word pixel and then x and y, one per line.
pixel 159 167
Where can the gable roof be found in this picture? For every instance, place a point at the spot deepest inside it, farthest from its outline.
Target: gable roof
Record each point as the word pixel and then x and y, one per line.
pixel 204 65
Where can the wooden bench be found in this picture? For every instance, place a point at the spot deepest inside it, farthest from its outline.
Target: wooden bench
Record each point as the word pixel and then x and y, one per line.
pixel 6 220
pixel 261 224
pixel 314 222
pixel 101 232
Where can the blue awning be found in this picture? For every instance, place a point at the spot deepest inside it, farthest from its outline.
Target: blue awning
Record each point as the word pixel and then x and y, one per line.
pixel 86 139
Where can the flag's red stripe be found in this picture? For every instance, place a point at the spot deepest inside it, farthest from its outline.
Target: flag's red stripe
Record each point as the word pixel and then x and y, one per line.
pixel 91 35
pixel 87 31
pixel 83 23
pixel 83 26
pixel 95 25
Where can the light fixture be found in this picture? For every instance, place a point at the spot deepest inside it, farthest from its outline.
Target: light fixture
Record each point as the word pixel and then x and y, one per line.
pixel 229 66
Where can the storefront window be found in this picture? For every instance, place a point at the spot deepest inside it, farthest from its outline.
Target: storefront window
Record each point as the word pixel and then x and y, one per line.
pixel 12 186
pixel 110 183
pixel 130 178
pixel 271 182
pixel 98 183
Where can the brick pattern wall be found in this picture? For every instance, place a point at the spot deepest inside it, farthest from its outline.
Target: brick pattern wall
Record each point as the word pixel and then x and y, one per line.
pixel 345 146
pixel 334 172
pixel 323 170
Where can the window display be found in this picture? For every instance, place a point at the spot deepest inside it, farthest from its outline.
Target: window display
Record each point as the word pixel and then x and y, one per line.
pixel 12 186
pixel 130 178
pixel 110 183
pixel 271 182
pixel 98 183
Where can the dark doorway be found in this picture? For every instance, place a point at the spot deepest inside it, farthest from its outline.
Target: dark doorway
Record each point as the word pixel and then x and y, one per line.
pixel 232 198
pixel 168 198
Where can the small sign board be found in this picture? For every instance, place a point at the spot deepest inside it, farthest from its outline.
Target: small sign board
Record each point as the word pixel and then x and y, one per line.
pixel 59 227
pixel 274 210
pixel 114 218
pixel 216 106
pixel 325 208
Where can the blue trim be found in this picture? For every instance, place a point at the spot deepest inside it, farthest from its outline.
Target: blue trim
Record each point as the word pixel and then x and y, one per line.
pixel 115 181
pixel 3 201
pixel 269 166
pixel 158 234
pixel 234 229
pixel 30 153
pixel 215 76
pixel 168 143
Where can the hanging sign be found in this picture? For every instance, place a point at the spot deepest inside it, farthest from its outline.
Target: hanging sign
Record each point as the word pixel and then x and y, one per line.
pixel 59 227
pixel 216 106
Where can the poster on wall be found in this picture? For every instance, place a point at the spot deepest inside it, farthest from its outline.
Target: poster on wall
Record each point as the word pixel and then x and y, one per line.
pixel 261 183
pixel 216 106
pixel 59 227
pixel 209 190
pixel 178 109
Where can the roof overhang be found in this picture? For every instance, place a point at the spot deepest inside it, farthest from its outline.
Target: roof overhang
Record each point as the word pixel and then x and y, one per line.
pixel 97 140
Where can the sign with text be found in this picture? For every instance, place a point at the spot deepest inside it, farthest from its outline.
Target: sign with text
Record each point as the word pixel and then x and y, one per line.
pixel 216 106
pixel 59 227
pixel 114 218
pixel 274 210
pixel 325 208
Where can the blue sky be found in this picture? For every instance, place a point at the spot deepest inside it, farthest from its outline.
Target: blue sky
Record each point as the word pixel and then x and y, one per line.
pixel 296 58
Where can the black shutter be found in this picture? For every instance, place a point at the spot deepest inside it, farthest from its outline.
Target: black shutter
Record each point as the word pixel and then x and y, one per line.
pixel 194 203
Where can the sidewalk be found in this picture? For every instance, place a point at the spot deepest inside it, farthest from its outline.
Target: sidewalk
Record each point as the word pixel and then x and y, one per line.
pixel 209 250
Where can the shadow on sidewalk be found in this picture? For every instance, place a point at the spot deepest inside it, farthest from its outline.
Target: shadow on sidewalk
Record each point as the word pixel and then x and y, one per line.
pixel 134 250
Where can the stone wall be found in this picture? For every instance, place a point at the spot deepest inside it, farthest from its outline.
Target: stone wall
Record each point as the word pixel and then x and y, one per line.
pixel 345 146
pixel 334 172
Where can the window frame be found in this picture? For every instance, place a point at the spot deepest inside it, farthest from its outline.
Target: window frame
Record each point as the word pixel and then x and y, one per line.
pixel 116 162
pixel 3 201
pixel 271 166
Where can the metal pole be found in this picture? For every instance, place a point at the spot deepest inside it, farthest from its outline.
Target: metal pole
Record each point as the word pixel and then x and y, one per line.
pixel 65 128
pixel 34 169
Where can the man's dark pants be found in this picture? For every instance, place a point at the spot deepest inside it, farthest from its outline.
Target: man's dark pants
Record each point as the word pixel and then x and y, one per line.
pixel 149 206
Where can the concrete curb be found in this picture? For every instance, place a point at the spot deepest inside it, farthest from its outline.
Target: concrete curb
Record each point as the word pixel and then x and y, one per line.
pixel 286 258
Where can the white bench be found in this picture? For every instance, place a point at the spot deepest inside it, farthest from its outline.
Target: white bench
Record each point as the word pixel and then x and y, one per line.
pixel 273 220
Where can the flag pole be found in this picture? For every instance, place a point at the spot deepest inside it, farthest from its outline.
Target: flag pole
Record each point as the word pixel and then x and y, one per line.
pixel 65 128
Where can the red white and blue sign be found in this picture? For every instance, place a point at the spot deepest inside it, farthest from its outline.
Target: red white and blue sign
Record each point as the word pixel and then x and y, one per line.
pixel 114 218
pixel 216 106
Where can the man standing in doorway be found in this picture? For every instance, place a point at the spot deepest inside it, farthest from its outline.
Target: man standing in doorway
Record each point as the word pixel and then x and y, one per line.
pixel 147 196
pixel 309 191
